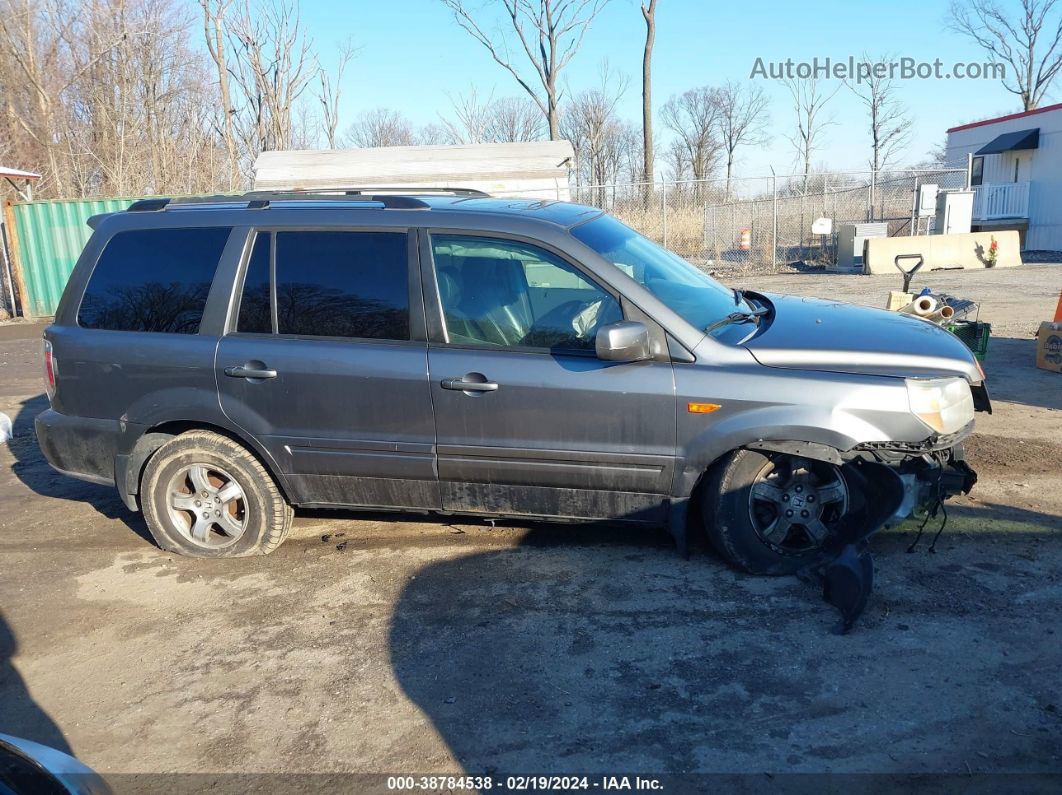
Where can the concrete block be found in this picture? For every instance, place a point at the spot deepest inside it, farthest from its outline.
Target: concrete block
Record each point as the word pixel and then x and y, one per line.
pixel 942 251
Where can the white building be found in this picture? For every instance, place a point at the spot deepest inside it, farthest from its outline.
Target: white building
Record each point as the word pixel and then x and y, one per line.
pixel 531 170
pixel 1016 172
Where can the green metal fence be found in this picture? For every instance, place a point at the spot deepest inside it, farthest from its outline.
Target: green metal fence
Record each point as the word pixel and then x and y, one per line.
pixel 50 236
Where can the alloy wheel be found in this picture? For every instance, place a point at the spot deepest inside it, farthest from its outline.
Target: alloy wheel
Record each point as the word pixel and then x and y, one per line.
pixel 795 503
pixel 207 506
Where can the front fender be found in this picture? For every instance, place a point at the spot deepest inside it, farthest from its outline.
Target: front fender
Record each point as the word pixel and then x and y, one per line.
pixel 757 405
pixel 764 429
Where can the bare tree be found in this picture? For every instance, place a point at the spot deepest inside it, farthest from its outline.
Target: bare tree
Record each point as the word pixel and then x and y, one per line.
pixel 622 153
pixel 514 119
pixel 549 32
pixel 589 121
pixel 676 156
pixel 742 120
pixel 214 34
pixel 937 157
pixel 471 118
pixel 694 118
pixel 504 120
pixel 108 98
pixel 52 45
pixel 432 135
pixel 649 15
pixel 272 67
pixel 809 102
pixel 890 124
pixel 381 127
pixel 329 90
pixel 1028 42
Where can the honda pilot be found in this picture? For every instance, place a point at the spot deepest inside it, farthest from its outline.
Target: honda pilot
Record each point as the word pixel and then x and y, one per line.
pixel 224 361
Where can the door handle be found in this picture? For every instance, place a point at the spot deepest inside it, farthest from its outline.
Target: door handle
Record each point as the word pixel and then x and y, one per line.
pixel 461 385
pixel 250 372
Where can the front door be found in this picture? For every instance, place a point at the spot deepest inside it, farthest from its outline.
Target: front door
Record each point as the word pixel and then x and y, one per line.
pixel 529 421
pixel 323 367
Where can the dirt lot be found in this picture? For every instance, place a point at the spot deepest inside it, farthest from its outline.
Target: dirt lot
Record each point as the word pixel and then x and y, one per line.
pixel 408 645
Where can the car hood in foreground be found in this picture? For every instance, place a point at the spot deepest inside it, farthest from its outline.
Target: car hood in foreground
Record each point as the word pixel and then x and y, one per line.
pixel 813 334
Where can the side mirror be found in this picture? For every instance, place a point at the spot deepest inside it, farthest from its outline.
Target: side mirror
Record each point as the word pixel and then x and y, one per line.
pixel 626 341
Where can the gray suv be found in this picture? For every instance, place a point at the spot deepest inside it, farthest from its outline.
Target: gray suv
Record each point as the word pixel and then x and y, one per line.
pixel 221 361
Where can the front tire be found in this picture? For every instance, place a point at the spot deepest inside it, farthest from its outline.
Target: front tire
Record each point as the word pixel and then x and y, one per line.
pixel 770 513
pixel 205 495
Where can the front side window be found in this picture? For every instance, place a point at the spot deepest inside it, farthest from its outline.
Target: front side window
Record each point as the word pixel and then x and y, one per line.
pixel 327 284
pixel 153 280
pixel 504 293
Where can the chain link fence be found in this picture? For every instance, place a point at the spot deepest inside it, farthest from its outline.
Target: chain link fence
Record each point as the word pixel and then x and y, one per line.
pixel 764 224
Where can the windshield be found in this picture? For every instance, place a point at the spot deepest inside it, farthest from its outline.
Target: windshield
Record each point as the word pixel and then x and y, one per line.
pixel 695 296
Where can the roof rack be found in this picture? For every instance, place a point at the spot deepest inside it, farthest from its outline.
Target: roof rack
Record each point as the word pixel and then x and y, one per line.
pixel 260 200
pixel 404 190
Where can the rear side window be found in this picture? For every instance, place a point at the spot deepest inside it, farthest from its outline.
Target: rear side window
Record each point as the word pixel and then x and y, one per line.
pixel 342 284
pixel 153 280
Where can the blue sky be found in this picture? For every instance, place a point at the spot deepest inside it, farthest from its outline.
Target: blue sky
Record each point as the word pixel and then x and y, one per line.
pixel 413 56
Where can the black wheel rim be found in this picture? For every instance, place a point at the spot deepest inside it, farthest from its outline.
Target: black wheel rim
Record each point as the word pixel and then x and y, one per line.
pixel 795 503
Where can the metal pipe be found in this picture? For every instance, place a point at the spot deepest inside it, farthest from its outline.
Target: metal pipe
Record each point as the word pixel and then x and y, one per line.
pixel 663 208
pixel 914 210
pixel 774 220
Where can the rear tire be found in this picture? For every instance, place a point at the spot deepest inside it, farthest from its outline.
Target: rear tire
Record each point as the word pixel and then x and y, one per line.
pixel 769 513
pixel 205 495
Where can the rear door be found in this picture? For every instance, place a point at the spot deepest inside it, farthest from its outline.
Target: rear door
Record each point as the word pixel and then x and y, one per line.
pixel 325 364
pixel 528 419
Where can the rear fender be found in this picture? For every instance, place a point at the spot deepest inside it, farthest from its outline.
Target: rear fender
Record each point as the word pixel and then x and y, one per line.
pixel 128 467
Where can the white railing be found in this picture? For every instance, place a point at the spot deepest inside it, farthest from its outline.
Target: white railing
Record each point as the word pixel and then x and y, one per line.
pixel 1004 200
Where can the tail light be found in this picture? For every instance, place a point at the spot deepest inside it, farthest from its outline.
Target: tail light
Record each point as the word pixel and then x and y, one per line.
pixel 49 370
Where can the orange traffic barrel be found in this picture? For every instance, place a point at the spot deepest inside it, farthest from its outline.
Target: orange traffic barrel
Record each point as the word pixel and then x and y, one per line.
pixel 745 241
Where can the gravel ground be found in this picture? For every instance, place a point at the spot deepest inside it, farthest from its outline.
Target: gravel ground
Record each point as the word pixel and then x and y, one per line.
pixel 395 644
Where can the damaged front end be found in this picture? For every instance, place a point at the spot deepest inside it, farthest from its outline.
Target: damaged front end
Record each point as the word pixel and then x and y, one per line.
pixel 890 482
pixel 929 472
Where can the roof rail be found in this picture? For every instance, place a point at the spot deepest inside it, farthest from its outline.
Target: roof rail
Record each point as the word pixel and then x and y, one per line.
pixel 404 190
pixel 260 200
pixel 147 205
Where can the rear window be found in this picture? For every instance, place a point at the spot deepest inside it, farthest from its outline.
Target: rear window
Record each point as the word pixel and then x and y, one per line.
pixel 153 280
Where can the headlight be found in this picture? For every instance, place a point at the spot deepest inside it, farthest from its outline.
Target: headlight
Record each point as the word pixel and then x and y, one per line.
pixel 944 404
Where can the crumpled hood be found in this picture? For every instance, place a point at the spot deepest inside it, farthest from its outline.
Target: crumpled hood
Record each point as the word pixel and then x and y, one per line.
pixel 814 334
